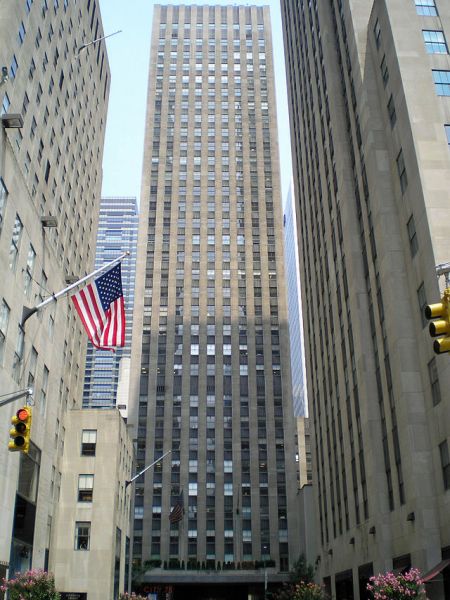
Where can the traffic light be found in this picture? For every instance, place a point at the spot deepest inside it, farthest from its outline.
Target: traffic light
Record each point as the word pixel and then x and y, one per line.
pixel 20 431
pixel 441 326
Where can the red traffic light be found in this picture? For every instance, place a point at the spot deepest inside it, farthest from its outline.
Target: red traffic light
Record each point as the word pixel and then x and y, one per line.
pixel 22 414
pixel 20 432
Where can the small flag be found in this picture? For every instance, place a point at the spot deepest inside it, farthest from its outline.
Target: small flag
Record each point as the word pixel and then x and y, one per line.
pixel 100 306
pixel 177 512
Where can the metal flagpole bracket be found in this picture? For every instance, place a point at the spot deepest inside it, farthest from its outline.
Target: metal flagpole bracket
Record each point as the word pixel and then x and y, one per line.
pixel 127 483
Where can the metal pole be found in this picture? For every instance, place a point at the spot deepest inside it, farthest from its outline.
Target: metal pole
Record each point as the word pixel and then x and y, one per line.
pixel 84 46
pixel 27 312
pixel 127 483
pixel 16 395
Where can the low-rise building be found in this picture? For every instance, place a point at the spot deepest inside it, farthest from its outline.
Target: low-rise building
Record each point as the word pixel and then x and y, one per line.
pixel 91 543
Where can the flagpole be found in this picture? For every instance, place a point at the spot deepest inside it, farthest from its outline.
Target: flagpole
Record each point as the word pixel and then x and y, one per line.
pixel 127 483
pixel 27 312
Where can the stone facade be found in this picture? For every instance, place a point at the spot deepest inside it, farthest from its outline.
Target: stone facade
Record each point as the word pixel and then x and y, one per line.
pixel 369 109
pixel 51 167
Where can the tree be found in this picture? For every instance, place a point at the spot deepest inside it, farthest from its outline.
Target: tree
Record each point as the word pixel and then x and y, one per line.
pixel 302 571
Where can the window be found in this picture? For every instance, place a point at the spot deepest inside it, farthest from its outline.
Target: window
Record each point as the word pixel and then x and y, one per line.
pixel 15 241
pixel 434 381
pixel 401 169
pixel 445 463
pixel 384 71
pixel 421 297
pixel 21 34
pixel 28 273
pixel 412 235
pixel 88 442
pixel 442 82
pixel 377 33
pixel 13 68
pixel 4 320
pixel 3 197
pixel 426 8
pixel 434 42
pixel 447 133
pixel 82 535
pixel 18 354
pixel 44 387
pixel 85 488
pixel 5 104
pixel 391 111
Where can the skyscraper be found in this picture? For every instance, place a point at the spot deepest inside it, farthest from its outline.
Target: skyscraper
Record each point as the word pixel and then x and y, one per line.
pixel 211 372
pixel 50 181
pixel 294 313
pixel 117 233
pixel 369 106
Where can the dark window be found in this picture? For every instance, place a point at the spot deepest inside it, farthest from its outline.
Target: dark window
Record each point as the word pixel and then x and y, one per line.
pixel 445 463
pixel 377 33
pixel 412 236
pixel 421 297
pixel 401 169
pixel 434 381
pixel 391 111
pixel 82 535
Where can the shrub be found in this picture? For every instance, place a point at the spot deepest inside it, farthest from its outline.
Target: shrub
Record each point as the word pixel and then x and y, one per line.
pixel 300 591
pixel 31 585
pixel 404 586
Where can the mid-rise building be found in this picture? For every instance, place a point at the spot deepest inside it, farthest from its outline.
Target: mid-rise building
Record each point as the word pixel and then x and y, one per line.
pixel 211 376
pixel 54 97
pixel 105 370
pixel 369 91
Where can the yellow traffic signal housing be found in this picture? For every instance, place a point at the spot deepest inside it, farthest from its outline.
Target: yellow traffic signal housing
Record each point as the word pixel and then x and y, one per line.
pixel 441 326
pixel 20 431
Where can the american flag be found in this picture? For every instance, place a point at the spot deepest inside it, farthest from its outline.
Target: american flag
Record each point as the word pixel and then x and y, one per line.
pixel 101 309
pixel 177 512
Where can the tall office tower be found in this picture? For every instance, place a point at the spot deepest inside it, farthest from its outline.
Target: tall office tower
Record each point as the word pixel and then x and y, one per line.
pixel 212 374
pixel 369 106
pixel 294 312
pixel 54 98
pixel 117 233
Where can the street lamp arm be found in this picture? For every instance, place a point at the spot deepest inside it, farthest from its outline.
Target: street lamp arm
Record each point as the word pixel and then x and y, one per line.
pixel 84 46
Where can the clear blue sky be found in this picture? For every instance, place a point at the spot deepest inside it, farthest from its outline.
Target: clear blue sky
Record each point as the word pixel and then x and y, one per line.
pixel 129 54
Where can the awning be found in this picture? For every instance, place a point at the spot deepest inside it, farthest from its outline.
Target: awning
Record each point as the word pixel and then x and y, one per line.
pixel 436 570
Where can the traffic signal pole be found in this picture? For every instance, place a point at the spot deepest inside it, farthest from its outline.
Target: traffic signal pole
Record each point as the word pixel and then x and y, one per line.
pixel 8 398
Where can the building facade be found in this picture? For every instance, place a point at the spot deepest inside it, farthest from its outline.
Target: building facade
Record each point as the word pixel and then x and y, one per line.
pixel 104 372
pixel 91 550
pixel 211 376
pixel 294 312
pixel 50 180
pixel 369 106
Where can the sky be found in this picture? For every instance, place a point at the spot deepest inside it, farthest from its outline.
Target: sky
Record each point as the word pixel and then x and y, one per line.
pixel 129 54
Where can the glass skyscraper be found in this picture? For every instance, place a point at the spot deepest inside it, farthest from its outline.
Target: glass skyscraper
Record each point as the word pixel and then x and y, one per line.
pixel 117 233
